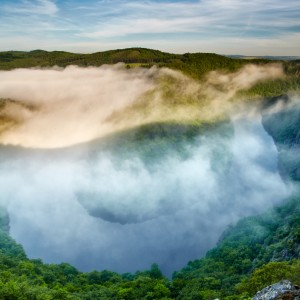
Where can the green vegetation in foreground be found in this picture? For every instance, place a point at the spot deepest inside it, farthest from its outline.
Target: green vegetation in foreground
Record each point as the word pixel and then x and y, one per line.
pixel 258 251
pixel 195 65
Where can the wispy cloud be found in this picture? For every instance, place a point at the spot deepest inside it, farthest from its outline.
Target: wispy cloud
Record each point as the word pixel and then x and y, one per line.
pixel 214 18
pixel 146 26
pixel 40 7
pixel 134 23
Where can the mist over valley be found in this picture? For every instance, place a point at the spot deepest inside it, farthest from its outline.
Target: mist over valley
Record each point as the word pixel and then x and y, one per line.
pixel 132 174
pixel 144 172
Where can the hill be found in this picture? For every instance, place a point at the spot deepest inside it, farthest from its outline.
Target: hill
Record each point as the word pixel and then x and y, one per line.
pixel 195 65
pixel 256 252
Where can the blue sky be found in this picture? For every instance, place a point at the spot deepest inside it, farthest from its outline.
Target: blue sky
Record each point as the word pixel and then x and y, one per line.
pixel 256 27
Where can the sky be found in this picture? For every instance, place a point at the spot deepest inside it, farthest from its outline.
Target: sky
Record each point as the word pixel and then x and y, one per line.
pixel 257 27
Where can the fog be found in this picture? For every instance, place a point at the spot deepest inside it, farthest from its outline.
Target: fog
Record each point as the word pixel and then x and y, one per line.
pixel 97 209
pixel 62 107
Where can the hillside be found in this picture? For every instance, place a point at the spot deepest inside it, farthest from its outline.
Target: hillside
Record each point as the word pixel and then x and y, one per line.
pixel 132 56
pixel 256 252
pixel 195 65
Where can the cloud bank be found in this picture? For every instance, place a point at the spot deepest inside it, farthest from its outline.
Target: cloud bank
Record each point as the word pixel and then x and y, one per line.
pixel 62 107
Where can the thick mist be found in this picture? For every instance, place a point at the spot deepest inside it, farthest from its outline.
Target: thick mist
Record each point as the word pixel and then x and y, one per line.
pixel 169 215
pixel 97 209
pixel 62 107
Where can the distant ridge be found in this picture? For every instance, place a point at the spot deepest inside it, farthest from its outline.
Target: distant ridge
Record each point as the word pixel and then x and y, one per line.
pixel 264 57
pixel 192 64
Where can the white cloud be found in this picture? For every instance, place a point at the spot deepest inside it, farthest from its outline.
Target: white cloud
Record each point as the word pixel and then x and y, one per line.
pixel 39 7
pixel 150 25
pixel 207 19
pixel 153 23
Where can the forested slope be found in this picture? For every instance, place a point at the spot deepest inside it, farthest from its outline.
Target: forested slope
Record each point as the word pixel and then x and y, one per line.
pixel 254 253
pixel 196 65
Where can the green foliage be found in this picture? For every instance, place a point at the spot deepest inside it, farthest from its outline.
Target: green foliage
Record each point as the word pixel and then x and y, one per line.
pixel 272 88
pixel 198 64
pixel 249 248
pixel 22 278
pixel 269 274
pixel 8 247
pixel 17 59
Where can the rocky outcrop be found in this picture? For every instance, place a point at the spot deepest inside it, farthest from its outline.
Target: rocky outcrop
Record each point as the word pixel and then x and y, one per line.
pixel 283 290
